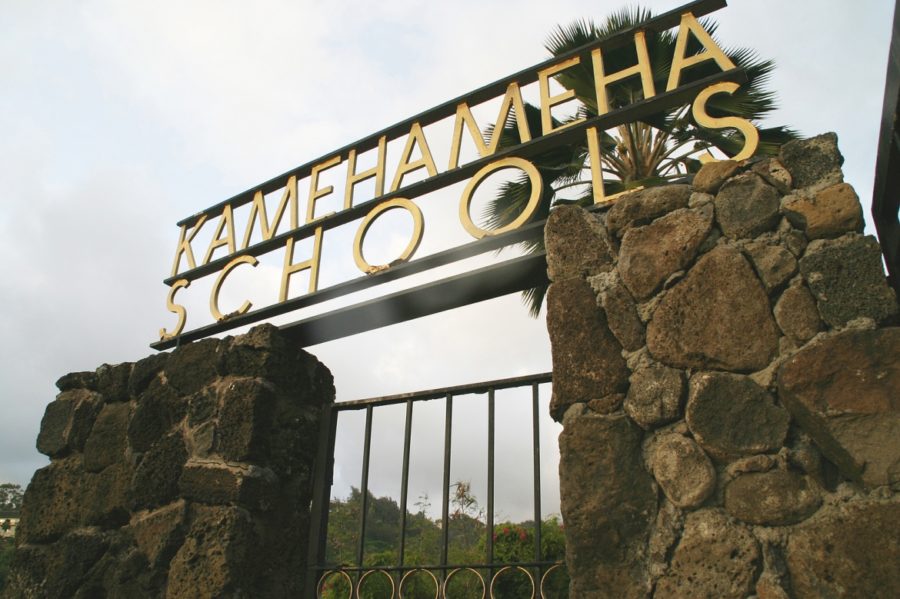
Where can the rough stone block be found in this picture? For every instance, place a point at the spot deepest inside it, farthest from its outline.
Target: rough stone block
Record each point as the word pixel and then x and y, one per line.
pixel 156 477
pixel 587 358
pixel 144 371
pixel 55 571
pixel 106 494
pixel 796 313
pixel 650 254
pixel 774 173
pixel 814 160
pixel 608 503
pixel 773 498
pixel 830 212
pixel 577 244
pixel 112 381
pixel 67 422
pixel 641 207
pixel 718 316
pixel 215 483
pixel 160 533
pixel 245 418
pixel 683 470
pixel 654 396
pixel 191 367
pixel 108 439
pixel 846 277
pixel 217 557
pixel 53 503
pixel 731 416
pixel 774 264
pixel 712 175
pixel 77 380
pixel 843 391
pixel 715 558
pixel 747 206
pixel 849 550
pixel 621 311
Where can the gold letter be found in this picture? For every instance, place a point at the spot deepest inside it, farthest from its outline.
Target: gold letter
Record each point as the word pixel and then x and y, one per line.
pixel 226 222
pixel 184 245
pixel 513 98
pixel 174 308
pixel 258 207
pixel 214 296
pixel 418 228
pixel 290 268
pixel 680 62
pixel 642 68
pixel 416 135
pixel 547 102
pixel 534 178
pixel 751 135
pixel 376 171
pixel 314 192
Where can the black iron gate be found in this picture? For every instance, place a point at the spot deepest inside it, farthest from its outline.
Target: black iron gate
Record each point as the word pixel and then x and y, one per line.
pixel 352 578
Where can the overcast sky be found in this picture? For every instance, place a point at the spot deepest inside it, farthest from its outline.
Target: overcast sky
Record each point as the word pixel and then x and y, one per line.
pixel 120 118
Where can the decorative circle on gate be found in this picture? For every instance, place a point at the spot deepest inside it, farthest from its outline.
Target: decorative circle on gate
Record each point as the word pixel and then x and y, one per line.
pixel 437 585
pixel 329 573
pixel 366 575
pixel 458 570
pixel 504 569
pixel 544 578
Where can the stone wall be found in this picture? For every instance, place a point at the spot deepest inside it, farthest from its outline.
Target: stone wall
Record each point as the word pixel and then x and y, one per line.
pixel 726 366
pixel 183 475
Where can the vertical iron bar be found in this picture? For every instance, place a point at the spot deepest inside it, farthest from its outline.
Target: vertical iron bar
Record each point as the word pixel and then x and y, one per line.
pixel 536 445
pixel 445 505
pixel 490 482
pixel 364 489
pixel 321 497
pixel 404 481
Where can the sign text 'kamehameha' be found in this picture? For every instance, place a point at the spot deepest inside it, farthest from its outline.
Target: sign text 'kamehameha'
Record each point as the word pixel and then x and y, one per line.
pixel 293 221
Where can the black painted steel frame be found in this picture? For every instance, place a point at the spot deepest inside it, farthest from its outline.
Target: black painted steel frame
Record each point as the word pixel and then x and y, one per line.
pixel 886 194
pixel 325 466
pixel 464 289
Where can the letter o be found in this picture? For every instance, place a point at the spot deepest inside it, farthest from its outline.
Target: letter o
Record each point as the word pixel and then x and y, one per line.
pixel 418 229
pixel 512 162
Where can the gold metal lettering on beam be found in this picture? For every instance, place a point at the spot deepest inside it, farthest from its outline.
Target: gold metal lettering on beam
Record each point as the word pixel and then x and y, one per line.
pixel 290 268
pixel 176 309
pixel 642 68
pixel 412 246
pixel 548 101
pixel 376 171
pixel 314 192
pixel 226 224
pixel 534 178
pixel 689 24
pixel 258 210
pixel 416 137
pixel 217 287
pixel 746 128
pixel 184 245
pixel 512 100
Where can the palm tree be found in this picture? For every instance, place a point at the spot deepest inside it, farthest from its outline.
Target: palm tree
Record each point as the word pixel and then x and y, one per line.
pixel 660 149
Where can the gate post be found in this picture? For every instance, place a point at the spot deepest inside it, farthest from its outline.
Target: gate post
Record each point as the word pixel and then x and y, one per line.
pixel 187 474
pixel 726 363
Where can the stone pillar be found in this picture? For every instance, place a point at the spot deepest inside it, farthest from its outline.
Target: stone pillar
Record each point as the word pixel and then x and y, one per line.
pixel 726 365
pixel 183 475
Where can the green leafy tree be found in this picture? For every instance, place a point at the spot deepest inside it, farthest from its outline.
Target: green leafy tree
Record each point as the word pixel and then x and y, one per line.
pixel 663 147
pixel 10 500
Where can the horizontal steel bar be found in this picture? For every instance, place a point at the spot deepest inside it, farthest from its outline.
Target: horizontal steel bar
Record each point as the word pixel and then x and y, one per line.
pixel 631 113
pixel 469 389
pixel 453 292
pixel 439 567
pixel 661 22
pixel 469 250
